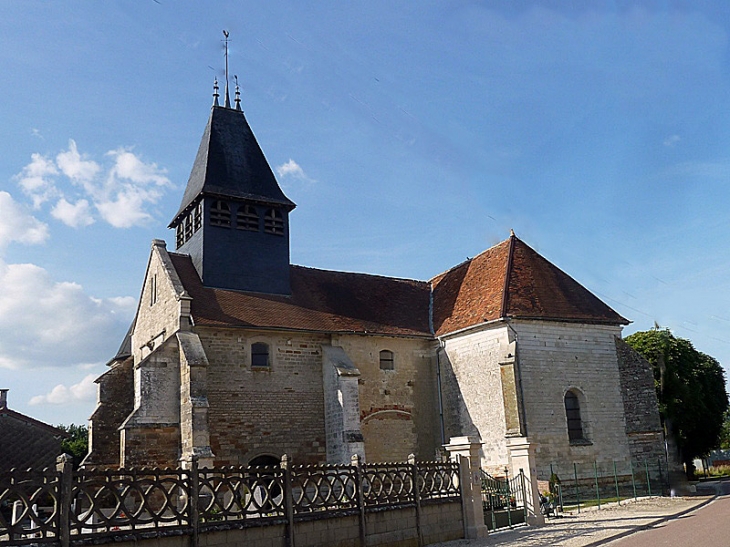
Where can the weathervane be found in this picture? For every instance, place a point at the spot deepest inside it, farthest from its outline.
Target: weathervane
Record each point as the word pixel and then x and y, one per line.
pixel 228 98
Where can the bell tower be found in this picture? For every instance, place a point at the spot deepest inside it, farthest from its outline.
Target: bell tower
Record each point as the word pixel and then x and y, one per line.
pixel 234 218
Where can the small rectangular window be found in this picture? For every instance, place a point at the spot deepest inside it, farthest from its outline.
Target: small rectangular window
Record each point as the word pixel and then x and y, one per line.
pixel 386 360
pixel 259 355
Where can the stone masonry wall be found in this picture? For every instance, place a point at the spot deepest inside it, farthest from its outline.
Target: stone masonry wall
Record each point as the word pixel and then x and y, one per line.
pixel 471 381
pixel 115 403
pixel 399 407
pixel 643 425
pixel 272 410
pixel 158 312
pixel 156 411
pixel 554 357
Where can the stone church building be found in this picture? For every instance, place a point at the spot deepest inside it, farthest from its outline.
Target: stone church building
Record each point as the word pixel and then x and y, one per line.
pixel 238 356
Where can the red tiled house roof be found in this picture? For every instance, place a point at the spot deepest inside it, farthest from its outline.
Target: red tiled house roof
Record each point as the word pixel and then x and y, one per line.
pixel 321 300
pixel 507 280
pixel 512 280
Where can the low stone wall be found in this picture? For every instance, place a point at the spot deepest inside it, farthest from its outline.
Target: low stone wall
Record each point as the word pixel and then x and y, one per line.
pixel 385 528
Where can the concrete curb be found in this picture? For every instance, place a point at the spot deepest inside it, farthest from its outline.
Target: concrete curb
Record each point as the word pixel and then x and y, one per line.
pixel 651 524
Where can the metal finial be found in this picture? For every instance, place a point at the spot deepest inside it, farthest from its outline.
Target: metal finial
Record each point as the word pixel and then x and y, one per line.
pixel 238 93
pixel 215 92
pixel 228 97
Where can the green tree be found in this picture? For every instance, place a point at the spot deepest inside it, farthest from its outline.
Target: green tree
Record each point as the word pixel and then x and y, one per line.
pixel 77 444
pixel 691 391
pixel 725 433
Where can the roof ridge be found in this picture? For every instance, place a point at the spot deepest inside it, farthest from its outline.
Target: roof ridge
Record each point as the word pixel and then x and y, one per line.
pixel 393 278
pixel 469 259
pixel 508 274
pixel 28 419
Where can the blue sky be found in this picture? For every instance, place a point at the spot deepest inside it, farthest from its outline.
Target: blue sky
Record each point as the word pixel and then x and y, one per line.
pixel 411 135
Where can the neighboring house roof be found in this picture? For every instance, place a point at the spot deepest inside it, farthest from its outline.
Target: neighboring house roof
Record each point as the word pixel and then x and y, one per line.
pixel 27 442
pixel 230 163
pixel 321 300
pixel 507 280
pixel 512 280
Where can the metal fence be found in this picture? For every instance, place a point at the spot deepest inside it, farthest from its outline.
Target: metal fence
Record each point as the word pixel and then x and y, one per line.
pixel 503 499
pixel 574 486
pixel 63 506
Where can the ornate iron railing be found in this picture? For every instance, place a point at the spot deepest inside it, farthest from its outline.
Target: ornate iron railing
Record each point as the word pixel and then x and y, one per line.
pixel 237 493
pixel 63 506
pixel 387 484
pixel 323 488
pixel 29 506
pixel 128 499
pixel 438 480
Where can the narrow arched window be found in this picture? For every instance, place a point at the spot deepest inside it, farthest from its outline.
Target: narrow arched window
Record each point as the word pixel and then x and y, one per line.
pixel 220 214
pixel 247 218
pixel 259 355
pixel 180 235
pixel 274 222
pixel 188 226
pixel 197 216
pixel 572 413
pixel 386 360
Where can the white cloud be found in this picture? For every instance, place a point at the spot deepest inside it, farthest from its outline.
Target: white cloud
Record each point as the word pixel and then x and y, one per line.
pixel 18 225
pixel 45 323
pixel 291 169
pixel 671 141
pixel 85 390
pixel 120 192
pixel 73 214
pixel 37 179
pixel 74 167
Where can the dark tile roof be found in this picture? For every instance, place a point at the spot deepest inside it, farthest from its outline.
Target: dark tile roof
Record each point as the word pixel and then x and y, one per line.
pixel 321 300
pixel 507 280
pixel 26 442
pixel 512 280
pixel 230 163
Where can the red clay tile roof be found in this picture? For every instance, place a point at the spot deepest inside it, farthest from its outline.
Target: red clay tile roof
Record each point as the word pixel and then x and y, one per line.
pixel 512 280
pixel 507 280
pixel 471 292
pixel 321 300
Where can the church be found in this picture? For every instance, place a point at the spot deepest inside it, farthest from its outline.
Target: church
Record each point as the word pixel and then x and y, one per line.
pixel 236 356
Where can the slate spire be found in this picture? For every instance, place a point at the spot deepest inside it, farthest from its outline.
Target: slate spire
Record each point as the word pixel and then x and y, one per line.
pixel 233 219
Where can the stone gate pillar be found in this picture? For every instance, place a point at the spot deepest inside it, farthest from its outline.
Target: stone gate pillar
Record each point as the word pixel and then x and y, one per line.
pixel 522 456
pixel 465 450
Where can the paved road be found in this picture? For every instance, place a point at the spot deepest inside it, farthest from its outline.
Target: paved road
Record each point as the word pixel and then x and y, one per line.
pixel 706 527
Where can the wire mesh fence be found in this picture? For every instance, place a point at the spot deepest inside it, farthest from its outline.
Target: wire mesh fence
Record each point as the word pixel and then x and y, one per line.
pixel 572 486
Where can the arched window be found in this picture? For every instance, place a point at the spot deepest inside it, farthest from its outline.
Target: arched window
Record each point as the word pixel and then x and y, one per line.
pixel 220 214
pixel 274 222
pixel 259 355
pixel 247 218
pixel 386 360
pixel 188 226
pixel 180 235
pixel 572 413
pixel 197 216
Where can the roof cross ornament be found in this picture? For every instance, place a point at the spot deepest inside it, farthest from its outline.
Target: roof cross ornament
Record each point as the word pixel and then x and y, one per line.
pixel 228 97
pixel 215 92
